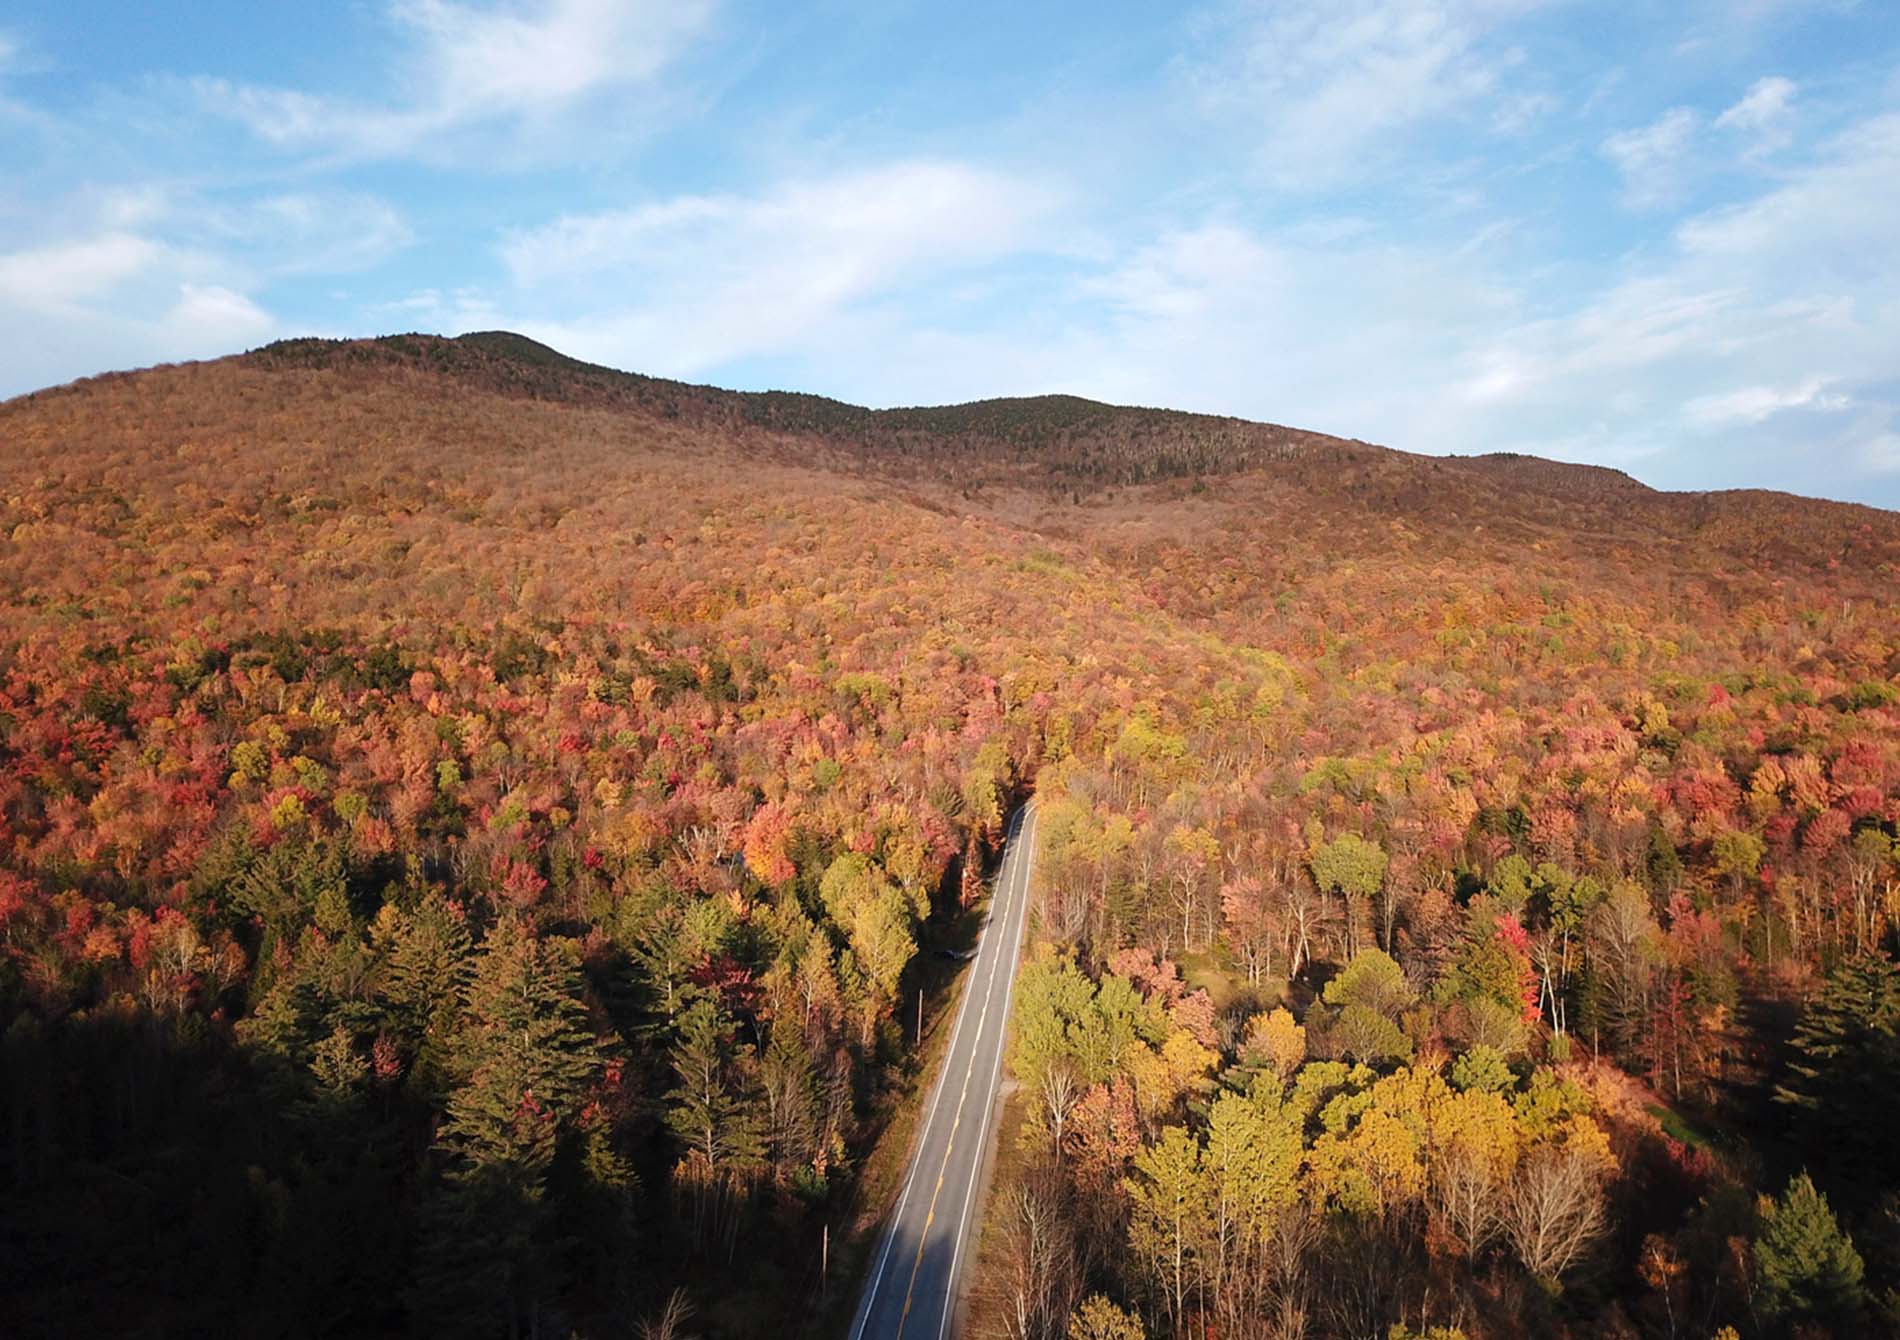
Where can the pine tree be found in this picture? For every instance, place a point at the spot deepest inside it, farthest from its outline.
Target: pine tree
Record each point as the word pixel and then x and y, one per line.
pixel 790 1086
pixel 426 955
pixel 1845 1068
pixel 531 1054
pixel 281 886
pixel 714 1112
pixel 710 1109
pixel 594 1189
pixel 529 1057
pixel 334 1261
pixel 661 950
pixel 1808 1267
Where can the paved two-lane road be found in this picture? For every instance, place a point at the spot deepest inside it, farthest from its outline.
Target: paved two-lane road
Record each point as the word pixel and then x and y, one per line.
pixel 916 1271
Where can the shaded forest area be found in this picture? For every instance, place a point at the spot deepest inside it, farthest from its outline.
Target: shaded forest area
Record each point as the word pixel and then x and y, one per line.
pixel 470 820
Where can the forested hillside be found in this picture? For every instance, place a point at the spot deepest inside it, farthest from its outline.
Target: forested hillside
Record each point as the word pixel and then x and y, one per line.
pixel 470 817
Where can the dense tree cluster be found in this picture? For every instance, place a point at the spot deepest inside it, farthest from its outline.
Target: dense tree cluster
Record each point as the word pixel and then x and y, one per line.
pixel 1477 843
pixel 468 825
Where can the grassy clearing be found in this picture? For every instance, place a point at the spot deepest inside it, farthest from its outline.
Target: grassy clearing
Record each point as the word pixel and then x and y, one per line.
pixel 1678 1128
pixel 1204 971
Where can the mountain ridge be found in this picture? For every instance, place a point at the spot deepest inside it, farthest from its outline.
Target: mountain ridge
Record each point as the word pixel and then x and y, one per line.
pixel 1057 445
pixel 1079 441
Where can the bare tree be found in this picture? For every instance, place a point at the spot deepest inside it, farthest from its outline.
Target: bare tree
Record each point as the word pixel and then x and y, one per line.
pixel 1555 1210
pixel 1036 1283
pixel 1061 1088
pixel 1291 1248
pixel 1308 914
pixel 1065 905
pixel 1467 1197
pixel 671 1321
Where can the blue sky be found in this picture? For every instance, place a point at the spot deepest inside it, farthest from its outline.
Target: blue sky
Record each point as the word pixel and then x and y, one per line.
pixel 1663 236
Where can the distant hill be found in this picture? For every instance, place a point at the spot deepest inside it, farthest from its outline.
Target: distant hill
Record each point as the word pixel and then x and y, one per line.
pixel 1063 438
pixel 1242 475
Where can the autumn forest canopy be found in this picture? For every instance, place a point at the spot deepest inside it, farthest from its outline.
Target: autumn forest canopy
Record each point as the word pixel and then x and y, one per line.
pixel 478 832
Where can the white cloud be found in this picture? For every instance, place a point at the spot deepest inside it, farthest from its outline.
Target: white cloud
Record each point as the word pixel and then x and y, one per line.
pixel 485 62
pixel 428 301
pixel 120 294
pixel 68 272
pixel 242 242
pixel 1761 318
pixel 1838 201
pixel 307 232
pixel 1755 345
pixel 1338 332
pixel 1186 275
pixel 1327 87
pixel 1763 115
pixel 1752 404
pixel 1767 102
pixel 1659 161
pixel 460 310
pixel 208 318
pixel 685 284
pixel 1652 159
pixel 1763 331
pixel 287 117
pixel 468 65
pixel 116 300
pixel 18 117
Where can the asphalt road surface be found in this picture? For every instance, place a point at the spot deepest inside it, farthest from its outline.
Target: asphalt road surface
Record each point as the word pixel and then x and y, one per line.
pixel 917 1270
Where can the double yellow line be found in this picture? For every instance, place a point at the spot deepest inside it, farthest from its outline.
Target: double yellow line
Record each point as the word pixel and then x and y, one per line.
pixel 1003 956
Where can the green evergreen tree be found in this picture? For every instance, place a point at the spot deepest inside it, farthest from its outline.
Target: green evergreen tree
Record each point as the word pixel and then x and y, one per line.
pixel 424 961
pixel 280 886
pixel 661 949
pixel 485 1256
pixel 1808 1266
pixel 789 1081
pixel 1484 1070
pixel 1845 1068
pixel 594 1189
pixel 711 1109
pixel 337 1250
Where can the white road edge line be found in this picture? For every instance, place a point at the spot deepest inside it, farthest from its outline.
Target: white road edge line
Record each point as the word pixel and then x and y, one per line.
pixel 936 1091
pixel 1005 881
pixel 951 1292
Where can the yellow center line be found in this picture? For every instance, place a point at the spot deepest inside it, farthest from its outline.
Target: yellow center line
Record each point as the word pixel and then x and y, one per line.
pixel 950 1145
